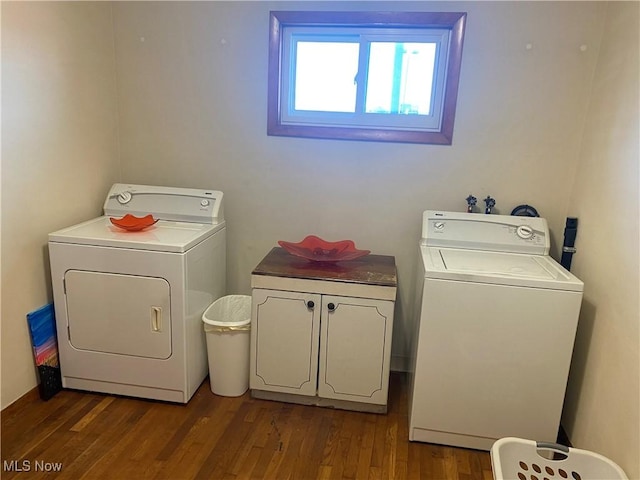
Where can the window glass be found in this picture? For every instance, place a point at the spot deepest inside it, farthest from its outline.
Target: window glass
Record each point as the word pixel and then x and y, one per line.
pixel 324 76
pixel 400 78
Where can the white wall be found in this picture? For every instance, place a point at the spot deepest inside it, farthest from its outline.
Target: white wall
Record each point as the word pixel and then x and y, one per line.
pixel 602 409
pixel 192 102
pixel 59 152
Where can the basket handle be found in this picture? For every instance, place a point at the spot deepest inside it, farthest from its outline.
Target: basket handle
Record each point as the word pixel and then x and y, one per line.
pixel 553 446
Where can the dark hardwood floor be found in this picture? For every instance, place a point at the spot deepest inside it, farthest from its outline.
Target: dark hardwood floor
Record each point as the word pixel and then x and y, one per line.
pixel 78 435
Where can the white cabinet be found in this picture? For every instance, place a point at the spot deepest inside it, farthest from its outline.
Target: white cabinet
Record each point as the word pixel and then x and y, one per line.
pixel 319 334
pixel 355 349
pixel 285 332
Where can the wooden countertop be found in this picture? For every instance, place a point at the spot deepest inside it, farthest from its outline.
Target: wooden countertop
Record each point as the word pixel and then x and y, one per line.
pixel 369 270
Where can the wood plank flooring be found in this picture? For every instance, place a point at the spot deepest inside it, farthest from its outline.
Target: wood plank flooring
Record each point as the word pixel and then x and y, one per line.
pixel 78 435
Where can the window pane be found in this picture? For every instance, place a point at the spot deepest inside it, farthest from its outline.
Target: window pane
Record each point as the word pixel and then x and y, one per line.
pixel 400 78
pixel 324 76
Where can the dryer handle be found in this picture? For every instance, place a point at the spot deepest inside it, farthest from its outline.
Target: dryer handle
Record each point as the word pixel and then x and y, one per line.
pixel 156 319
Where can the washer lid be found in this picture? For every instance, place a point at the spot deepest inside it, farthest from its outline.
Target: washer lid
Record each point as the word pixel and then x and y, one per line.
pixel 502 268
pixel 164 236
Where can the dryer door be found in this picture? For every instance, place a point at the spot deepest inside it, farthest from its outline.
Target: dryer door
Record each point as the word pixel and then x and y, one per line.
pixel 118 314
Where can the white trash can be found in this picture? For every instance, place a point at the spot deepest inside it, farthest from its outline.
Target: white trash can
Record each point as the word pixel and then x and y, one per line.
pixel 227 322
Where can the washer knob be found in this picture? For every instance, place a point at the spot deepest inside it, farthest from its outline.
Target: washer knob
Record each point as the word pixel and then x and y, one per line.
pixel 204 202
pixel 525 232
pixel 439 225
pixel 124 197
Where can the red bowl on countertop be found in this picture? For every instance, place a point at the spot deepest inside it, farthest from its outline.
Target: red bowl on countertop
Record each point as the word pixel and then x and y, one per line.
pixel 318 250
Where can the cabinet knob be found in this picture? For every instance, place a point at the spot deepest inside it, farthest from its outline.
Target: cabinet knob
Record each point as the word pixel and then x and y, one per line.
pixel 331 307
pixel 310 304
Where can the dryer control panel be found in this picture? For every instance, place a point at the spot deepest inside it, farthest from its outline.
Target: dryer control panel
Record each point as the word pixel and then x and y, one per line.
pixel 503 233
pixel 165 203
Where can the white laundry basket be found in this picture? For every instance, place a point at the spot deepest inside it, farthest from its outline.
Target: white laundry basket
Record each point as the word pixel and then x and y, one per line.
pixel 519 459
pixel 227 322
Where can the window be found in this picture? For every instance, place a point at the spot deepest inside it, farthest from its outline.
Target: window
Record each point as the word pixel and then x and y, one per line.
pixel 364 76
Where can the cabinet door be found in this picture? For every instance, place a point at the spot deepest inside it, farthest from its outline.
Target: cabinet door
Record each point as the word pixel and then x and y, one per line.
pixel 284 341
pixel 355 349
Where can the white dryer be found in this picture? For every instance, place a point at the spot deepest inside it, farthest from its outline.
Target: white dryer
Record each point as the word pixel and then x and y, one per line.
pixel 495 333
pixel 129 304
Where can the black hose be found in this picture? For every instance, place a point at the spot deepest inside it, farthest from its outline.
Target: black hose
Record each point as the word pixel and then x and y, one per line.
pixel 568 248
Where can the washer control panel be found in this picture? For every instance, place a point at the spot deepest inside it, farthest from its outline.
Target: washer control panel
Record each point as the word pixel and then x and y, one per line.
pixel 525 232
pixel 474 231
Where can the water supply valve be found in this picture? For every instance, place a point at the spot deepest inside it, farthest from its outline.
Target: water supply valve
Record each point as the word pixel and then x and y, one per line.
pixel 489 204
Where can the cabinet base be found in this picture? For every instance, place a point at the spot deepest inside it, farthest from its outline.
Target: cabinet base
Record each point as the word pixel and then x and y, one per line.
pixel 319 402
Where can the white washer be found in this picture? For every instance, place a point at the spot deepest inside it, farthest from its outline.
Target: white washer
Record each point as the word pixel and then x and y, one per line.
pixel 129 304
pixel 495 333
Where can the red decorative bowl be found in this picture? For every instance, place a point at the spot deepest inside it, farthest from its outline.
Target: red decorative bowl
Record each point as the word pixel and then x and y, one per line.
pixel 131 223
pixel 318 250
